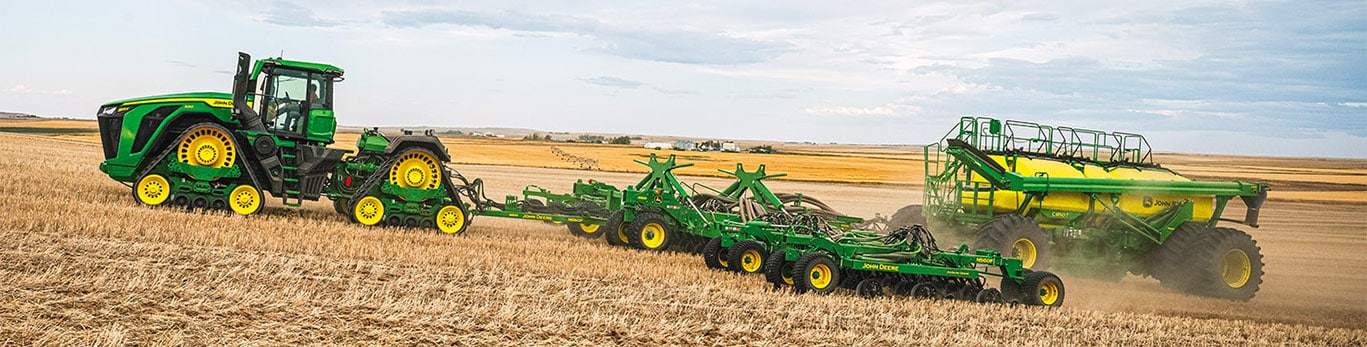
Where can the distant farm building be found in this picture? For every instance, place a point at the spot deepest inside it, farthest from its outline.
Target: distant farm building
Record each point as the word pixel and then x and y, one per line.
pixel 685 145
pixel 659 145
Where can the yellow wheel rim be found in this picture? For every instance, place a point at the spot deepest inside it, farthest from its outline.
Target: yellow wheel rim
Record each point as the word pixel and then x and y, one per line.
pixel 652 235
pixel 750 261
pixel 1025 250
pixel 721 258
pixel 787 273
pixel 622 232
pixel 369 210
pixel 821 276
pixel 450 219
pixel 153 190
pixel 415 169
pixel 244 199
pixel 588 228
pixel 1048 293
pixel 1236 268
pixel 207 146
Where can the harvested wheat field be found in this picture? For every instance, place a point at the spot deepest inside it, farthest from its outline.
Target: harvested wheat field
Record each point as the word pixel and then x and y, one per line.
pixel 82 264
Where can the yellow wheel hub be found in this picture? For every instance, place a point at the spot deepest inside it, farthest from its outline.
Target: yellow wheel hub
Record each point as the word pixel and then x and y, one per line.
pixel 820 276
pixel 1236 268
pixel 415 169
pixel 1025 250
pixel 244 199
pixel 369 211
pixel 153 190
pixel 207 146
pixel 652 235
pixel 721 258
pixel 588 228
pixel 750 261
pixel 1048 293
pixel 450 219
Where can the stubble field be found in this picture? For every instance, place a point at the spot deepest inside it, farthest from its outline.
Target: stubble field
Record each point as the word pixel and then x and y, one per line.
pixel 82 264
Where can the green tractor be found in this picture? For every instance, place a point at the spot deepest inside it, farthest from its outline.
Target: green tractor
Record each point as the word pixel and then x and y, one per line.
pixel 1092 203
pixel 226 151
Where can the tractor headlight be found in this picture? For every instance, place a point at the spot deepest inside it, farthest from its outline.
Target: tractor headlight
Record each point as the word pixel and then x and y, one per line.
pixel 108 110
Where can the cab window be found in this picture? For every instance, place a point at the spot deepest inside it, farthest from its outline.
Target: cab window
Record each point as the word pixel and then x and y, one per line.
pixel 292 95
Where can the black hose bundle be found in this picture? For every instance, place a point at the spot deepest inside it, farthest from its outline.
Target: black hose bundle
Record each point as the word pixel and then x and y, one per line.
pixel 914 234
pixel 473 190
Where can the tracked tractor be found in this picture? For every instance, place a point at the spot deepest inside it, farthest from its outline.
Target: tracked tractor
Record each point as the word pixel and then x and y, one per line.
pixel 1092 203
pixel 269 136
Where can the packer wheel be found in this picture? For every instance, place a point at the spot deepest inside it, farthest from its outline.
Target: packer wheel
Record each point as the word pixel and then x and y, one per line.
pixel 869 287
pixel 989 295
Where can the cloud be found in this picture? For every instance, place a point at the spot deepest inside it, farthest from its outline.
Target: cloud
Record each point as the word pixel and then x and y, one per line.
pixel 673 46
pixel 608 81
pixel 287 13
pixel 1353 104
pixel 621 83
pixel 23 89
pixel 891 109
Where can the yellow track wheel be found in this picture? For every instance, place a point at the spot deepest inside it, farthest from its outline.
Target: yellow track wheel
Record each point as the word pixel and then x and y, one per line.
pixel 369 211
pixel 1236 268
pixel 820 276
pixel 207 146
pixel 245 199
pixel 152 190
pixel 1025 250
pixel 415 169
pixel 653 235
pixel 451 220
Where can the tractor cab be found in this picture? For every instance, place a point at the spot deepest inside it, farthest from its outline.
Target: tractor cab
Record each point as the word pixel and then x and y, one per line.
pixel 293 99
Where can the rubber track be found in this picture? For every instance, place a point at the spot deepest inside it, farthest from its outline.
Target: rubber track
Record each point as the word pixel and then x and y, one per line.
pixel 175 144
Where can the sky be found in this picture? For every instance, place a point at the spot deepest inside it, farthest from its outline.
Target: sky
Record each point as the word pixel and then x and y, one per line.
pixel 1275 78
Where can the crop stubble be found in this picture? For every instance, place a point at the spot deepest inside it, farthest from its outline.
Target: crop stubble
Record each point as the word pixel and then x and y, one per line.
pixel 80 263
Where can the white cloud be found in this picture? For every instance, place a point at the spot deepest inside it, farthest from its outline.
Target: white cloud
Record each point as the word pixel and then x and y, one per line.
pixel 23 89
pixel 1353 104
pixel 855 111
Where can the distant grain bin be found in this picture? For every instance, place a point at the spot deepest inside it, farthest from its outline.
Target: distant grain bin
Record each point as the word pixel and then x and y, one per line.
pixel 658 145
pixel 730 147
